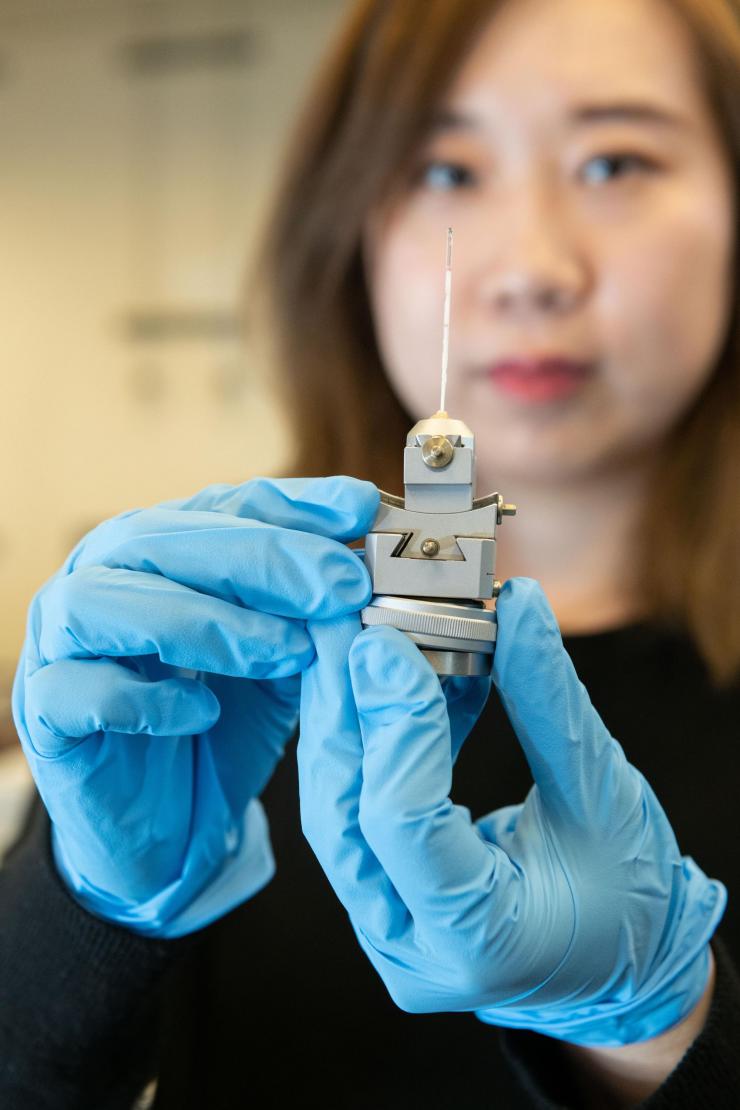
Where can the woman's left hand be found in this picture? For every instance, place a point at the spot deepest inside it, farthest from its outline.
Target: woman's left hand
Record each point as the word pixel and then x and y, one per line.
pixel 573 914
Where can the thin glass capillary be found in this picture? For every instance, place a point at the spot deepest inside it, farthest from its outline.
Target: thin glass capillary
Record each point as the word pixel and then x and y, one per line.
pixel 446 321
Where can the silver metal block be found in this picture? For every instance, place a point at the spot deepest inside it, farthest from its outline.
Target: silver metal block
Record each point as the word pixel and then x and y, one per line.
pixel 467 574
pixel 479 521
pixel 438 499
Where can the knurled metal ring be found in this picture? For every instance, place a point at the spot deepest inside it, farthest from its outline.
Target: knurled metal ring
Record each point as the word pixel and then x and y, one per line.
pixel 430 623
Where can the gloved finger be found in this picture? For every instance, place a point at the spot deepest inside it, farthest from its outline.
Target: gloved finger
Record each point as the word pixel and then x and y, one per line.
pixel 97 611
pixel 249 737
pixel 450 879
pixel 337 507
pixel 330 777
pixel 580 770
pixel 68 700
pixel 275 570
pixel 465 699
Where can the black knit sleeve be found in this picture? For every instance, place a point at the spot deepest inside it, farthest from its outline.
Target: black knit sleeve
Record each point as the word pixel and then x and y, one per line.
pixel 79 997
pixel 708 1074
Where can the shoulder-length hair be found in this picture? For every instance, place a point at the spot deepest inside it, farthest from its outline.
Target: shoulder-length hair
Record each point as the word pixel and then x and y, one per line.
pixel 367 114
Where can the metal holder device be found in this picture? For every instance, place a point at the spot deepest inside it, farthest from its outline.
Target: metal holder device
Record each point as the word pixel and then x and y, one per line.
pixel 432 553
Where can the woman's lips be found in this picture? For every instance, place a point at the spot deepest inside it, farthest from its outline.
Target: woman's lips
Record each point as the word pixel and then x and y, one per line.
pixel 541 379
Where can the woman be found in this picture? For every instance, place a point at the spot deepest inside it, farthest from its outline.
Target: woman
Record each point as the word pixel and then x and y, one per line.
pixel 567 915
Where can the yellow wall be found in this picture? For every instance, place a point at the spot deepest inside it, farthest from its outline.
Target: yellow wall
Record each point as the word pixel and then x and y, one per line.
pixel 131 190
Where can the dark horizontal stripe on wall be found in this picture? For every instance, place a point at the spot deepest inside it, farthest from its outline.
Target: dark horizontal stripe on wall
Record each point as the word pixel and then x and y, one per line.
pixel 167 325
pixel 153 56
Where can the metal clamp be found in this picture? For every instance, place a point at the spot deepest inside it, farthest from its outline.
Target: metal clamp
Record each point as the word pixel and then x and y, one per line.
pixel 431 554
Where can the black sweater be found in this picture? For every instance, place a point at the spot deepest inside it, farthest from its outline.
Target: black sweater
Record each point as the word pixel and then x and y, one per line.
pixel 276 1005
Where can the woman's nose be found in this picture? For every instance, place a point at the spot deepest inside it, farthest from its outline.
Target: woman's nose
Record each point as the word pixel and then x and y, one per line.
pixel 534 264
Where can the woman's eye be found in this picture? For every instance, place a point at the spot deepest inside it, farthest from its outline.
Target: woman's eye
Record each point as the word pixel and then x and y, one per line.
pixel 607 164
pixel 441 176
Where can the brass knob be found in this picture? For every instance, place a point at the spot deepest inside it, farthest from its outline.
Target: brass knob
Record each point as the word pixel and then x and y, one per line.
pixel 502 509
pixel 430 548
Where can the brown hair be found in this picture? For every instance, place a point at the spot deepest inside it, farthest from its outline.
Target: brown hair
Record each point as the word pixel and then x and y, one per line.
pixel 368 112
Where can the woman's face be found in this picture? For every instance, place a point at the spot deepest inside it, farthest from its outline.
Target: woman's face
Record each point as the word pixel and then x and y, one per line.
pixel 592 206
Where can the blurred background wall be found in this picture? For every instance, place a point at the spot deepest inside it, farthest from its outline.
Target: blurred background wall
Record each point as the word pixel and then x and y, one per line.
pixel 138 143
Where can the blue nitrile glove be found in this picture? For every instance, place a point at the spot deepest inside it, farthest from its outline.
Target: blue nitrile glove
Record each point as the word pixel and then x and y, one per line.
pixel 159 683
pixel 574 914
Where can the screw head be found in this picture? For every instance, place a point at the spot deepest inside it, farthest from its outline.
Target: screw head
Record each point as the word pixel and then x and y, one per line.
pixel 430 548
pixel 437 452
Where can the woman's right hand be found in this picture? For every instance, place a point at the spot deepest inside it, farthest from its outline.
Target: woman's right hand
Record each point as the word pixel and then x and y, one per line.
pixel 159 683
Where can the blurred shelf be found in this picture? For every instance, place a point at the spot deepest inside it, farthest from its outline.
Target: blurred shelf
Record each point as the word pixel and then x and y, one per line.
pixel 65 14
